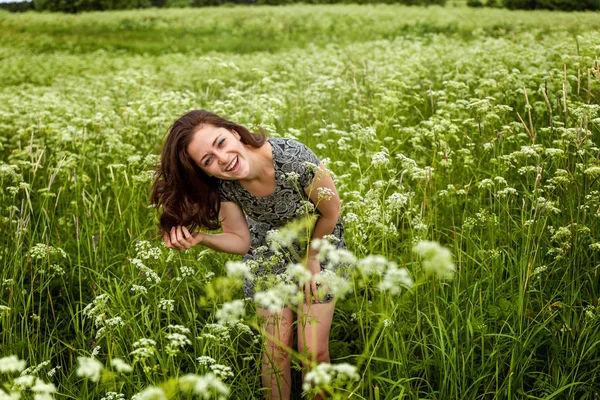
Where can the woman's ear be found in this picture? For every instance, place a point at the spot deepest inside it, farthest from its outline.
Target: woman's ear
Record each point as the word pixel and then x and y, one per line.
pixel 237 135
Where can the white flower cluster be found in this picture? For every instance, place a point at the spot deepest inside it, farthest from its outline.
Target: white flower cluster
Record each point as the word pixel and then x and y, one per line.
pixel 166 304
pixel 436 259
pixel 89 368
pixel 145 251
pixel 120 366
pixel 144 348
pixel 324 193
pixel 326 374
pixel 151 276
pixel 11 364
pixel 207 386
pixel 113 396
pixel 278 297
pixel 41 251
pixel 231 312
pixel 150 393
pixel 238 269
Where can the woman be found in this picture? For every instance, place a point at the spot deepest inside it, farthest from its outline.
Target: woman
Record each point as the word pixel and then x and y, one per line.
pixel 214 173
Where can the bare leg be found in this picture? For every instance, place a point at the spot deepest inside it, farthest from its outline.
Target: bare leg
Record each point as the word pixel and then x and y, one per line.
pixel 314 324
pixel 276 372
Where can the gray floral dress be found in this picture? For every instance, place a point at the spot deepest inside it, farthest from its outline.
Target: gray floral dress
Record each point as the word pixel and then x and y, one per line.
pixel 295 168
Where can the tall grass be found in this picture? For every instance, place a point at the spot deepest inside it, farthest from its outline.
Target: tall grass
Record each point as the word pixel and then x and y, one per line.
pixel 484 141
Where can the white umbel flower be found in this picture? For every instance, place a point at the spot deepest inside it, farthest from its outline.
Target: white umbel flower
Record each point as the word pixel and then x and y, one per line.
pixel 89 368
pixel 436 259
pixel 11 364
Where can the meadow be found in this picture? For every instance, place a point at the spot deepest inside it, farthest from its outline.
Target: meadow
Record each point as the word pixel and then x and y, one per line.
pixel 474 129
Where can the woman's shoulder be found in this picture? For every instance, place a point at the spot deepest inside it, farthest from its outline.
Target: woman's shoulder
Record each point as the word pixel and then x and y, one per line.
pixel 290 147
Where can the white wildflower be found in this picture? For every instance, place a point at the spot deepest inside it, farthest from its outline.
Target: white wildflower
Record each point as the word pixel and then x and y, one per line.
pixel 166 304
pixel 395 279
pixel 238 269
pixel 436 259
pixel 207 386
pixel 326 374
pixel 205 360
pixel 120 366
pixel 150 393
pixel 89 368
pixel 231 312
pixel 11 364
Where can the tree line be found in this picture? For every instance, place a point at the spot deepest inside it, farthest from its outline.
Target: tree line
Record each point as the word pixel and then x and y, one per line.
pixel 75 6
pixel 558 5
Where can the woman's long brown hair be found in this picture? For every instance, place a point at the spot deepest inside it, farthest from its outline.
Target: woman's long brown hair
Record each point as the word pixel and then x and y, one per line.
pixel 187 195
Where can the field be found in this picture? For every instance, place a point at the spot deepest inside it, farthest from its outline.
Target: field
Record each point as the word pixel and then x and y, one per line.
pixel 475 129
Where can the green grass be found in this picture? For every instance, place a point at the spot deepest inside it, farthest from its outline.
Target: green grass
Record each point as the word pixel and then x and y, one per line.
pixel 463 104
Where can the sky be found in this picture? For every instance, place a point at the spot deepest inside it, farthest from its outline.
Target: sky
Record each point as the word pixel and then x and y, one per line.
pixel 12 1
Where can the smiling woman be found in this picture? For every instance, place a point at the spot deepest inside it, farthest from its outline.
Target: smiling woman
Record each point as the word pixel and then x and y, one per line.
pixel 215 172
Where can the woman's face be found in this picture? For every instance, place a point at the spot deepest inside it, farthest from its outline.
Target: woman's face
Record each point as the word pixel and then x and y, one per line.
pixel 219 153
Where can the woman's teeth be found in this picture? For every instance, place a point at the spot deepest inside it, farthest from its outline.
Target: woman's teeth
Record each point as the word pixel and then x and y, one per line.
pixel 232 164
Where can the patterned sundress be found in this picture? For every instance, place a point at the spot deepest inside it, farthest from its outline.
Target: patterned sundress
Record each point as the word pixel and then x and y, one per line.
pixel 295 168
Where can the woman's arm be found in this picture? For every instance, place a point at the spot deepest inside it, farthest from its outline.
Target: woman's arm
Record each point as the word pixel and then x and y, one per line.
pixel 323 194
pixel 235 238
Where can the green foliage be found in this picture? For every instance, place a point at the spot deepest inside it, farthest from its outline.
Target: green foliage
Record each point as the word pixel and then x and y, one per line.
pixel 562 5
pixel 486 142
pixel 15 6
pixel 474 3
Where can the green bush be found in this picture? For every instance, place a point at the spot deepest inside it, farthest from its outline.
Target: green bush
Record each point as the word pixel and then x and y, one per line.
pixel 474 3
pixel 568 5
pixel 563 5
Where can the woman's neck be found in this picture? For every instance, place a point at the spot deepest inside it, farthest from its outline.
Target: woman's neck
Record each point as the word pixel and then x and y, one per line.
pixel 261 163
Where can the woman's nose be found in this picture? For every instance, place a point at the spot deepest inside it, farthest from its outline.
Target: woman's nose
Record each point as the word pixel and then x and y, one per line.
pixel 221 157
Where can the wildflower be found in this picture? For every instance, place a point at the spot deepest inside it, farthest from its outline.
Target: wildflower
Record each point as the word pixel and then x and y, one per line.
pixel 372 264
pixel 89 368
pixel 179 328
pixel 337 285
pixel 120 365
pixel 394 279
pixel 206 386
pixel 24 382
pixel 42 387
pixel 113 396
pixel 166 304
pixel 11 364
pixel 380 159
pixel 145 251
pixel 231 312
pixel 150 393
pixel 151 276
pixel 144 348
pixel 276 298
pixel 4 309
pixel 138 288
pixel 324 193
pixel 350 218
pixel 205 360
pixel 326 374
pixel 187 271
pixel 238 269
pixel 298 273
pixel 437 259
pixel 221 371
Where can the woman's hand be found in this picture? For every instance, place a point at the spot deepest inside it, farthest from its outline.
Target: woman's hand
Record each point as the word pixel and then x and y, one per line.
pixel 180 238
pixel 310 287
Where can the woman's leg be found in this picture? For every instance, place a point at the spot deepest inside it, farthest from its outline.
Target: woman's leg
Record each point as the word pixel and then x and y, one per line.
pixel 314 324
pixel 276 373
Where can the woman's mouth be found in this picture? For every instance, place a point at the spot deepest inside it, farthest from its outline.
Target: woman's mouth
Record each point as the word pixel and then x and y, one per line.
pixel 233 165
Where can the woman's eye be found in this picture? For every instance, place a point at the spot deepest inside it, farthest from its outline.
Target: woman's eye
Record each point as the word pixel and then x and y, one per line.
pixel 208 160
pixel 221 142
